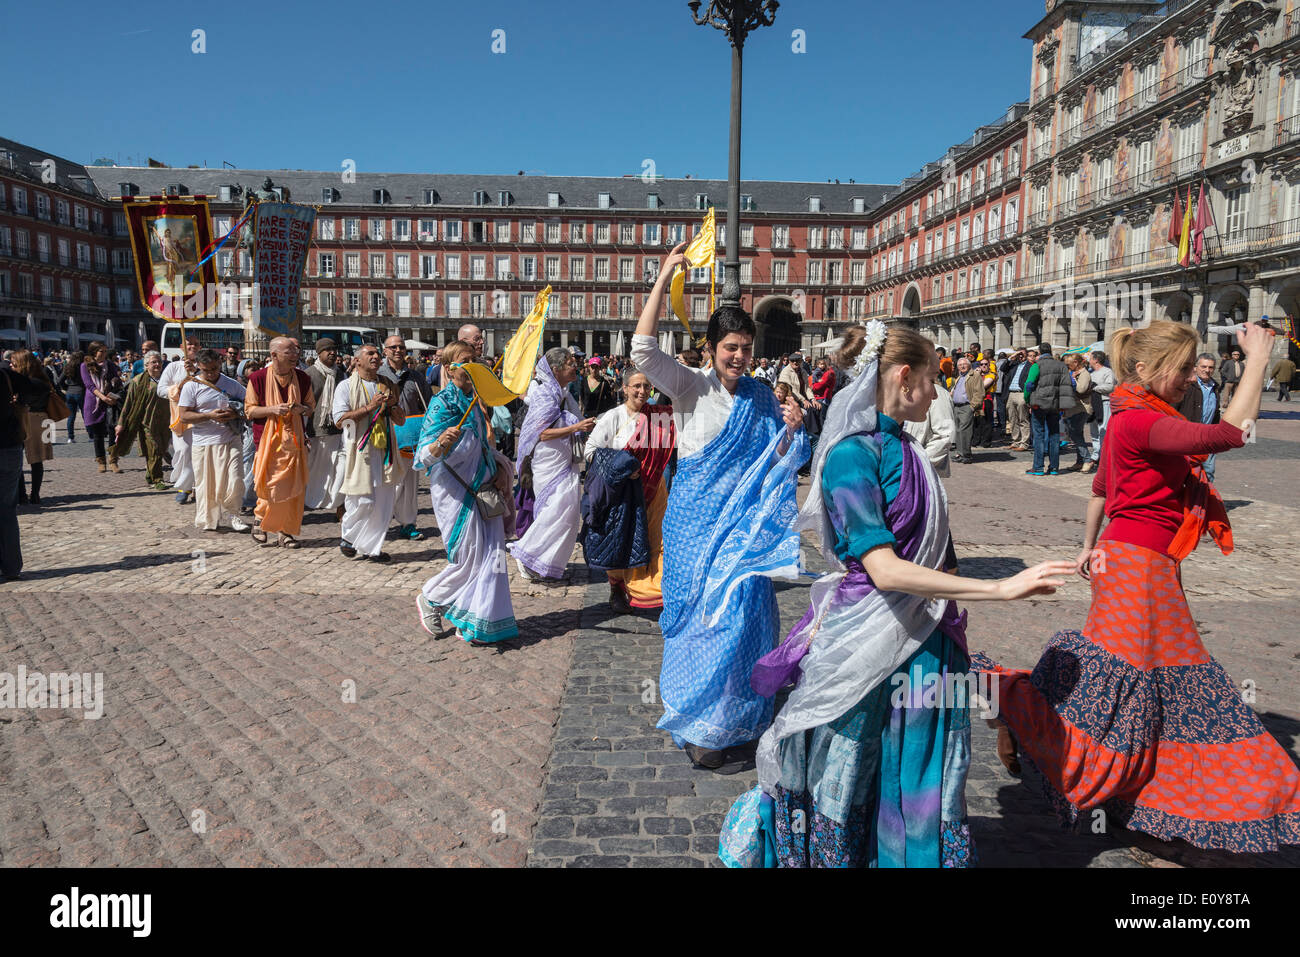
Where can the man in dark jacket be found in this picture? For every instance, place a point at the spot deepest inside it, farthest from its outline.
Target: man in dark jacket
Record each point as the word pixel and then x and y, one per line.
pixel 1229 376
pixel 1048 390
pixel 1201 400
pixel 413 399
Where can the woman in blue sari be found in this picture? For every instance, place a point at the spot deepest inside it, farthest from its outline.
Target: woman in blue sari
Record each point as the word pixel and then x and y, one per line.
pixel 866 764
pixel 729 529
pixel 472 594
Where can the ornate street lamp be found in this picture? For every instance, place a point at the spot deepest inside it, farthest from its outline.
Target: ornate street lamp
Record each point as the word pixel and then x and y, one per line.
pixel 737 18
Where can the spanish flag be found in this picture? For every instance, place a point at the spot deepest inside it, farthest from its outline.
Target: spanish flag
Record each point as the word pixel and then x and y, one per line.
pixel 520 357
pixel 1185 237
pixel 700 255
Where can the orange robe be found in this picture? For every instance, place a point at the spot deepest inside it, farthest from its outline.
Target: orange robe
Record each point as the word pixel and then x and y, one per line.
pixel 280 466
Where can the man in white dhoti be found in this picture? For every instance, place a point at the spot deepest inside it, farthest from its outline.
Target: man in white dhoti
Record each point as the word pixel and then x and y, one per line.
pixel 546 441
pixel 169 387
pixel 325 457
pixel 365 408
pixel 204 405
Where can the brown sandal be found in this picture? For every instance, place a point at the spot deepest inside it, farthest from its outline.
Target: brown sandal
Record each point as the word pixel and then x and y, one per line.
pixel 288 541
pixel 259 536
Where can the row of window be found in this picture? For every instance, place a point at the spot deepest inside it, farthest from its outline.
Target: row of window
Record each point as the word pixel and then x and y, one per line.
pixel 454 305
pixel 984 279
pixel 385 229
pixel 68 291
pixel 989 225
pixel 988 173
pixel 61 211
pixel 18 242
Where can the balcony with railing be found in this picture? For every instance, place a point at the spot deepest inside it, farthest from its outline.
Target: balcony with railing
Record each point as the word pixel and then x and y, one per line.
pixel 1135 103
pixel 1128 187
pixel 1286 131
pixel 1123 38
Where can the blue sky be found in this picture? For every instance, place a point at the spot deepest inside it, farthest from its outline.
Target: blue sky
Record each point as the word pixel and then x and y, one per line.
pixel 582 88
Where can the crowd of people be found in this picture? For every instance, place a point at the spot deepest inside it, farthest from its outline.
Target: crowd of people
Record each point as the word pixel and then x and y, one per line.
pixel 678 476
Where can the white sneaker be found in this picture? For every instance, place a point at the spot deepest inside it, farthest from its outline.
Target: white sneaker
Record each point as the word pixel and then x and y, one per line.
pixel 524 573
pixel 238 524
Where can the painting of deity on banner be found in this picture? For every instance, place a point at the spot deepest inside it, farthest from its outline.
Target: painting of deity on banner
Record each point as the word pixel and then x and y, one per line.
pixel 169 238
pixel 173 251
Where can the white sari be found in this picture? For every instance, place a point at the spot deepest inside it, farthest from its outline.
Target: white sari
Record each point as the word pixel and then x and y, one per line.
pixel 547 546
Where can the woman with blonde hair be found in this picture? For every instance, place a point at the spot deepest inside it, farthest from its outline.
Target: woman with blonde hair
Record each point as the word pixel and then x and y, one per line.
pixel 865 765
pixel 1132 715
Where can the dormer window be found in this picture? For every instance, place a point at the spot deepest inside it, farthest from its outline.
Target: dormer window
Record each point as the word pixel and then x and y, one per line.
pixel 701 200
pixel 175 189
pixel 379 197
pixel 859 204
pixel 554 199
pixel 602 200
pixel 652 200
pixel 128 189
pixel 814 204
pixel 225 194
pixel 329 194
pixel 504 197
pixel 746 201
pixel 281 193
pixel 480 197
pixel 428 197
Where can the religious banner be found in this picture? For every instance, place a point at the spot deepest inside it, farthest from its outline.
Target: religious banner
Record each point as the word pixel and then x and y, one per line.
pixel 167 239
pixel 283 232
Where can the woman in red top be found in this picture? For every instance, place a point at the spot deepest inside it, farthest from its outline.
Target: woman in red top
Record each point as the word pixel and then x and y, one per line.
pixel 1133 715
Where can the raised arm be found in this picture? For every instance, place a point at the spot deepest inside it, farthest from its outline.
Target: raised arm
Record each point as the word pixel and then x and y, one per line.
pixel 1256 344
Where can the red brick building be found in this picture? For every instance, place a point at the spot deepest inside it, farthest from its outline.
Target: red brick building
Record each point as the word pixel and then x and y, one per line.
pixel 65 263
pixel 423 253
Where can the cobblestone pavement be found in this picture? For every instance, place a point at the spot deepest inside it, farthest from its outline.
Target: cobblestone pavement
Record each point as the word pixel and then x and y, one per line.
pixel 227 740
pixel 618 793
pixel 224 671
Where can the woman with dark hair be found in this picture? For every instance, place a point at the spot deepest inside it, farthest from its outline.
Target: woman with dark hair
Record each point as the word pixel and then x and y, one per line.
pixel 97 376
pixel 73 388
pixel 37 449
pixel 729 529
pixel 1132 715
pixel 865 766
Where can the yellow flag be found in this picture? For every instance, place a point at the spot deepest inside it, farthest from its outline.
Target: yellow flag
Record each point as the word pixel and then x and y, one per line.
pixel 488 387
pixel 700 252
pixel 520 357
pixel 1185 237
pixel 700 255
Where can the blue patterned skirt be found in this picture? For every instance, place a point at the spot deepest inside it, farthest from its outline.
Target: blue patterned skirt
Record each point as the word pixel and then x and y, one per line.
pixel 883 785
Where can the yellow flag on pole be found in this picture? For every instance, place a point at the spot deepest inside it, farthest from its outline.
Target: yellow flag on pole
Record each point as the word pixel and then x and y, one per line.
pixel 699 255
pixel 520 357
pixel 487 387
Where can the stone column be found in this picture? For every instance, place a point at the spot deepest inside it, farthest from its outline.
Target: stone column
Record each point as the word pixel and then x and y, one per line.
pixel 589 342
pixel 564 338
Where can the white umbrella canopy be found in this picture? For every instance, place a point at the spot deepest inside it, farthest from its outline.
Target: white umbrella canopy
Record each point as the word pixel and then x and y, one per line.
pixel 73 344
pixel 414 344
pixel 666 342
pixel 33 339
pixel 110 337
pixel 620 345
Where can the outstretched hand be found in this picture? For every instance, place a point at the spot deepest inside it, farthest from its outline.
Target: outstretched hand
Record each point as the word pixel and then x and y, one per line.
pixel 675 258
pixel 1042 579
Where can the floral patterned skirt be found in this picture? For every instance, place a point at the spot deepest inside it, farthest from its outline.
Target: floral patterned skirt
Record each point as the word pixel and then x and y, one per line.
pixel 883 785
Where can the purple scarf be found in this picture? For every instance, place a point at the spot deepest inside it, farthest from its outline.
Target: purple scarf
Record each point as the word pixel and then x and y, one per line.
pixel 545 411
pixel 905 517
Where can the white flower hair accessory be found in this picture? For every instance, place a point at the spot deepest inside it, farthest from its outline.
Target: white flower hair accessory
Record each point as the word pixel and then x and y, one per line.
pixel 876 333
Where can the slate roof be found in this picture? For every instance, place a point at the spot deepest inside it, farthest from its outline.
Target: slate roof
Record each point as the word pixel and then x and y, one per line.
pixel 29 161
pixel 457 190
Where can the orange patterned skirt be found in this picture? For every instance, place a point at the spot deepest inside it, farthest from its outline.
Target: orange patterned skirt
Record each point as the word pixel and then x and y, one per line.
pixel 1134 717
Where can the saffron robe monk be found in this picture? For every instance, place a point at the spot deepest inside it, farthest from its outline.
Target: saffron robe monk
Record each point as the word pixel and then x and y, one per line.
pixel 279 396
